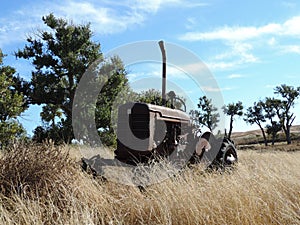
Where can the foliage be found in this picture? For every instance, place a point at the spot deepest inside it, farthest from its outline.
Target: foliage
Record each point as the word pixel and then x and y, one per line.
pixel 255 115
pixel 283 107
pixel 153 96
pixel 50 112
pixel 270 105
pixel 271 108
pixel 231 110
pixel 60 57
pixel 108 137
pixel 207 114
pixel 273 129
pixel 56 132
pixel 114 92
pixel 11 105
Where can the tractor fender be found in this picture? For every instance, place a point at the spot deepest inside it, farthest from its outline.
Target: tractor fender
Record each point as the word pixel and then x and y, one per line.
pixel 204 142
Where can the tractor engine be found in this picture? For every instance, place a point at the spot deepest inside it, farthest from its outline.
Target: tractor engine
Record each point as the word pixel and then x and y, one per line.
pixel 145 131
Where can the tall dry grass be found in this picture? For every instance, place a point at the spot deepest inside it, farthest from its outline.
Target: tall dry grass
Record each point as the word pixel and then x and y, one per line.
pixel 42 185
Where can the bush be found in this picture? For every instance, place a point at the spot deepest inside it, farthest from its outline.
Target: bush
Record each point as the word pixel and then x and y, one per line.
pixel 34 169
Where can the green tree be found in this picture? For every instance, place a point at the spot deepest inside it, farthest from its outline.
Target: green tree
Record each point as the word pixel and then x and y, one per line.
pixel 273 129
pixel 289 95
pixel 60 57
pixel 153 96
pixel 207 114
pixel 115 92
pixel 270 105
pixel 50 112
pixel 11 105
pixel 255 115
pixel 233 109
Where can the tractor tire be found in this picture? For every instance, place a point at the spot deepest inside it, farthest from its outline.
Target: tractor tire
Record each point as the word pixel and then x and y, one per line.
pixel 227 156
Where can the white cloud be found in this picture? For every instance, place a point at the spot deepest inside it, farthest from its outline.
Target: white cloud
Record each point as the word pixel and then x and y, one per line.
pixel 234 76
pixel 239 54
pixel 231 33
pixel 221 65
pixel 290 49
pixel 272 41
pixel 106 17
pixel 242 50
pixel 291 27
pixel 152 6
pixel 103 19
pixel 194 68
pixel 230 64
pixel 227 88
pixel 241 33
pixel 195 4
pixel 210 89
pixel 133 76
pixel 215 89
pixel 241 40
pixel 154 70
pixel 13 31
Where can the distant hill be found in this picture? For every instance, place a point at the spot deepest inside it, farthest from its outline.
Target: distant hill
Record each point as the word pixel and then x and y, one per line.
pixel 255 136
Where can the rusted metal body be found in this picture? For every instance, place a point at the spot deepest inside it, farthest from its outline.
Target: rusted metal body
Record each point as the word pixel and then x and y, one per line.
pixel 146 130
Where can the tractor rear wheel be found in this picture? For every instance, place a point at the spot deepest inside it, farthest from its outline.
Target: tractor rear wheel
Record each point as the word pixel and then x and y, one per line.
pixel 227 155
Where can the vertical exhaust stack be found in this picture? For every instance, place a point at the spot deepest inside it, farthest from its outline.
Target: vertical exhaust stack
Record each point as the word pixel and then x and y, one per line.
pixel 164 71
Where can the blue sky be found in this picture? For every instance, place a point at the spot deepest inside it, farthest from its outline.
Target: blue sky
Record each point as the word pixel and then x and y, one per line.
pixel 249 46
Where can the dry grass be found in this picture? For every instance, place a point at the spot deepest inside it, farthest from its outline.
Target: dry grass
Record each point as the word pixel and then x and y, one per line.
pixel 42 185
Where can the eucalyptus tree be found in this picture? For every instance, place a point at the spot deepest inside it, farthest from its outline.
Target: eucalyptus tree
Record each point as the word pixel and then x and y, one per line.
pixel 283 107
pixel 206 114
pixel 233 109
pixel 255 115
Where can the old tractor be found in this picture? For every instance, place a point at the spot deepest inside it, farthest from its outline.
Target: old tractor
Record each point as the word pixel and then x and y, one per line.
pixel 148 132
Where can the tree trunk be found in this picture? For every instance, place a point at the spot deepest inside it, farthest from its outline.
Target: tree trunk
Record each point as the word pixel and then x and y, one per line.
pixel 286 130
pixel 230 127
pixel 264 135
pixel 273 138
pixel 288 135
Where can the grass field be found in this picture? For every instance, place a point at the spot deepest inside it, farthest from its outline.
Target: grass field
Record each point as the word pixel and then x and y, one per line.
pixel 44 185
